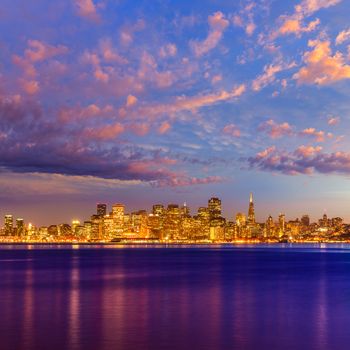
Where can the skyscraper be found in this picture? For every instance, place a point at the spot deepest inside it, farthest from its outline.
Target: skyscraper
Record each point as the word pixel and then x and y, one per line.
pixel 214 206
pixel 8 225
pixel 251 213
pixel 20 227
pixel 101 209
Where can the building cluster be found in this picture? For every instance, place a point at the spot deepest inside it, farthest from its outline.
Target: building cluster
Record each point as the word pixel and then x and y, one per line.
pixel 174 223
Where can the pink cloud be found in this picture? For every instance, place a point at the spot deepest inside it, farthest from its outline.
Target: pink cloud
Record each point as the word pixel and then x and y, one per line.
pixel 294 23
pixel 40 51
pixel 321 67
pixel 307 151
pixel 275 130
pixel 217 23
pixel 131 100
pixel 333 121
pixel 269 75
pixel 105 133
pixel 231 130
pixel 87 9
pixel 31 87
pixel 318 135
pixel 244 19
pixel 164 128
pixel 140 129
pixel 342 37
pixel 168 50
pixel 109 53
pixel 304 160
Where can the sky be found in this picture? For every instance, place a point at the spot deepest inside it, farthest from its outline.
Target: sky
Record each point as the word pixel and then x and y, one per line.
pixel 161 101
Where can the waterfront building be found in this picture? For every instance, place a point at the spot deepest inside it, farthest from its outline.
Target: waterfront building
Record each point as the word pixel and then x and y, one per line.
pixel 251 212
pixel 101 209
pixel 8 225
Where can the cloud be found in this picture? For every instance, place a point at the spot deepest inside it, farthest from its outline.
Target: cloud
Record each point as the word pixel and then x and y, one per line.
pixel 131 100
pixel 231 130
pixel 216 78
pixel 183 103
pixel 304 160
pixel 269 75
pixel 164 128
pixel 168 50
pixel 318 135
pixel 40 51
pixel 109 53
pixel 36 52
pixel 108 132
pixel 275 130
pixel 333 121
pixel 181 181
pixel 321 67
pixel 68 149
pixel 293 24
pixel 244 19
pixel 217 24
pixel 342 37
pixel 87 9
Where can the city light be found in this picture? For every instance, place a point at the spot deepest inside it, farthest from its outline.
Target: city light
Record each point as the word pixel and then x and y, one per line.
pixel 175 224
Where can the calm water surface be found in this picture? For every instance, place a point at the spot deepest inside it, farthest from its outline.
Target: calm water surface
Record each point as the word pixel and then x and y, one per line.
pixel 222 297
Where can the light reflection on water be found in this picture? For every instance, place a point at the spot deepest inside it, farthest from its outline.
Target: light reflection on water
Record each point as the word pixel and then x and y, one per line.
pixel 221 297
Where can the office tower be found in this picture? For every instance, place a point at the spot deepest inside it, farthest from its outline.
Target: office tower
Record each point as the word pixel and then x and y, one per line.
pixel 251 213
pixel 75 224
pixel 20 231
pixel 305 220
pixel 185 210
pixel 214 206
pixel 282 222
pixel 270 226
pixel 240 219
pixel 118 218
pixel 158 209
pixel 101 209
pixel 8 225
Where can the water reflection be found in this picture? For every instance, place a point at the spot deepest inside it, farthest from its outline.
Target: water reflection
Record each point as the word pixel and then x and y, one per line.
pixel 174 299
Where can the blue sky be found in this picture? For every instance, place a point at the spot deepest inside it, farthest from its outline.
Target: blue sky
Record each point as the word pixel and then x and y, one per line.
pixel 165 101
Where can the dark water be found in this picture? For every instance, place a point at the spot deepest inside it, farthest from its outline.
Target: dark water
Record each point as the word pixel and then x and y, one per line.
pixel 175 298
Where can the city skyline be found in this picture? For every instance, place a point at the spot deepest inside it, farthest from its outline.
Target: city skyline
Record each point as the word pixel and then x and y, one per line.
pixel 103 101
pixel 174 223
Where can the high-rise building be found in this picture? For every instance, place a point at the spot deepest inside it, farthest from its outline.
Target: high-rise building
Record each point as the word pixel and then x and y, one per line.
pixel 118 218
pixel 305 220
pixel 8 225
pixel 282 224
pixel 20 231
pixel 251 212
pixel 214 206
pixel 101 209
pixel 158 209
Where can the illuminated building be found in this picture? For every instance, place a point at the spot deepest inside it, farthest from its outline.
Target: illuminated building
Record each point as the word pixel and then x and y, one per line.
pixel 251 213
pixel 270 227
pixel 281 224
pixel 87 229
pixel 96 227
pixel 75 224
pixel 158 209
pixel 305 220
pixel 118 218
pixel 214 207
pixel 8 225
pixel 101 209
pixel 172 222
pixel 185 210
pixel 20 229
